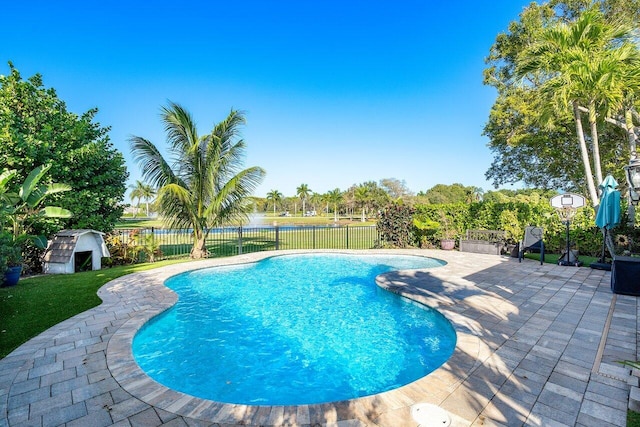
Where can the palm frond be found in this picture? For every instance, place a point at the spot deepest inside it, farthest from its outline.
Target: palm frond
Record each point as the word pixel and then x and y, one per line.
pixel 155 169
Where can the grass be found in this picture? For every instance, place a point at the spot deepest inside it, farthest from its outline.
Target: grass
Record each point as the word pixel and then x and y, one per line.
pixel 553 258
pixel 268 219
pixel 37 303
pixel 633 419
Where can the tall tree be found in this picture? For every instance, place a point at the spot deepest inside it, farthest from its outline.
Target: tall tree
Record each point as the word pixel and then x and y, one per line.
pixel 275 196
pixel 141 191
pixel 396 189
pixel 303 192
pixel 206 186
pixel 586 61
pixel 538 148
pixel 334 197
pixel 36 128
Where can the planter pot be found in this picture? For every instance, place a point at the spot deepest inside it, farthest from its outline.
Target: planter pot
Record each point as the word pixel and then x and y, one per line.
pixel 447 244
pixel 11 276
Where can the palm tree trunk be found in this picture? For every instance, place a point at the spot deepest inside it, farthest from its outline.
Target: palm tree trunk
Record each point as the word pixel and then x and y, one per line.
pixel 585 156
pixel 199 249
pixel 633 139
pixel 631 135
pixel 594 140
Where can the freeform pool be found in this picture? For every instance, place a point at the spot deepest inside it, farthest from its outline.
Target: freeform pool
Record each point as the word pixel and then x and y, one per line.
pixel 294 329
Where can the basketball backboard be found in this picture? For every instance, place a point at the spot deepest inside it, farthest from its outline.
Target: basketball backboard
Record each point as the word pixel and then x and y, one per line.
pixel 568 200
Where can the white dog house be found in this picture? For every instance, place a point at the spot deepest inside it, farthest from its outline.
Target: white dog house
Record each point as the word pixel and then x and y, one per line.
pixel 74 250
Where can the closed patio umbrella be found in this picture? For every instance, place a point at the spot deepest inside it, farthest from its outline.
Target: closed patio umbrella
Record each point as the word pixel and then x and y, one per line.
pixel 608 215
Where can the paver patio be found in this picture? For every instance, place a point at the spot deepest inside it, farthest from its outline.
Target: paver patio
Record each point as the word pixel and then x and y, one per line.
pixel 537 345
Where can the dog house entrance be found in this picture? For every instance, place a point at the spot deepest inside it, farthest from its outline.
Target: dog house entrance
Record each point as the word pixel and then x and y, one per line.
pixel 82 261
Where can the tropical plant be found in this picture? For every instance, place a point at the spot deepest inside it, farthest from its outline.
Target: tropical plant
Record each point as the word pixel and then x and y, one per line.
pixel 21 210
pixel 577 60
pixel 335 197
pixel 588 61
pixel 303 192
pixel 275 196
pixel 206 186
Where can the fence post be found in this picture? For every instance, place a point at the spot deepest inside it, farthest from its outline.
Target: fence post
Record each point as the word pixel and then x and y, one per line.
pixel 314 237
pixel 240 240
pixel 277 238
pixel 347 227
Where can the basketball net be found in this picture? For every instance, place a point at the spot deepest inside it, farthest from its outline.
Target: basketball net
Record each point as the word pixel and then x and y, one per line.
pixel 566 213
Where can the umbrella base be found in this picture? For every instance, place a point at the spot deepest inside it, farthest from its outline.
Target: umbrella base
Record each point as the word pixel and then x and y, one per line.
pixel 601 266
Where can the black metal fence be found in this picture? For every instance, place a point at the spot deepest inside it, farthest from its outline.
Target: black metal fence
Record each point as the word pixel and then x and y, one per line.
pixel 142 243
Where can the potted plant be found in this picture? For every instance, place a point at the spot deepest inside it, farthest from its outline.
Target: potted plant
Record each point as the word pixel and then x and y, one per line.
pixel 446 234
pixel 10 259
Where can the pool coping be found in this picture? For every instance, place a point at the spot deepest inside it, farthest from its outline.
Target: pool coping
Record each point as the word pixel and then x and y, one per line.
pixel 135 381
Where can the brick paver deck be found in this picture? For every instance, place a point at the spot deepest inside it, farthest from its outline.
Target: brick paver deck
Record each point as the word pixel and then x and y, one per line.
pixel 537 345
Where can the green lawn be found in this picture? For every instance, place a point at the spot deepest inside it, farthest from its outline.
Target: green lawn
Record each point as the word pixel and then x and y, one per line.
pixel 268 219
pixel 38 303
pixel 553 258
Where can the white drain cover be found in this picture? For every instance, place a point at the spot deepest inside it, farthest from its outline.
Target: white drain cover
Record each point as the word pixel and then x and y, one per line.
pixel 429 415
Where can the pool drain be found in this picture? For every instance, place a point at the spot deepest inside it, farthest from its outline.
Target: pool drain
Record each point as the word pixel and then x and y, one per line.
pixel 429 415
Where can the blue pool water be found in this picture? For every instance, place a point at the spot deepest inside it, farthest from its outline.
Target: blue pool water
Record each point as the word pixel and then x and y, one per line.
pixel 294 329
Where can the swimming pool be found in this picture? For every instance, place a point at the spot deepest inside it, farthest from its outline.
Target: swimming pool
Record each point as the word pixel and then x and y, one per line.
pixel 294 329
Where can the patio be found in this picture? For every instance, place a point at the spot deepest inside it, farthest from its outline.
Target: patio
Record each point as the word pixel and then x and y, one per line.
pixel 537 345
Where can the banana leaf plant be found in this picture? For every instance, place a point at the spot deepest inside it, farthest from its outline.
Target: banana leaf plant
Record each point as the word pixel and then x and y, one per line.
pixel 20 210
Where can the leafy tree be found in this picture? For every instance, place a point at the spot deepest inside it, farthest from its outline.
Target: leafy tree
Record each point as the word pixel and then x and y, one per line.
pixel 303 192
pixel 454 193
pixel 37 129
pixel 206 186
pixel 371 197
pixel 396 189
pixel 572 57
pixel 275 196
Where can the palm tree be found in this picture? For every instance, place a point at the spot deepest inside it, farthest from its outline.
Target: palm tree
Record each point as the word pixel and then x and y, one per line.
pixel 316 199
pixel 303 192
pixel 147 194
pixel 206 186
pixel 275 196
pixel 587 64
pixel 361 196
pixel 334 196
pixel 141 191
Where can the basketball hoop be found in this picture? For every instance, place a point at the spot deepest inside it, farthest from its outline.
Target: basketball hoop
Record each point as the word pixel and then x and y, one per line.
pixel 567 205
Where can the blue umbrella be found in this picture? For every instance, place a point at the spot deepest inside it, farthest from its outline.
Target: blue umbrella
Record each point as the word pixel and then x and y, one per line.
pixel 608 215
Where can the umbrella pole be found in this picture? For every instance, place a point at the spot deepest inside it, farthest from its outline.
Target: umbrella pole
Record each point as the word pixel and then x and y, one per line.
pixel 604 242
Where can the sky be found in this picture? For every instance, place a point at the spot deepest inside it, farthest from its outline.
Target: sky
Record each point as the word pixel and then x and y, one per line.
pixel 335 93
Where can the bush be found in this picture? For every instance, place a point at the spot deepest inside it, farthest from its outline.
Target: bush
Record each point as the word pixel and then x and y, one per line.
pixel 395 226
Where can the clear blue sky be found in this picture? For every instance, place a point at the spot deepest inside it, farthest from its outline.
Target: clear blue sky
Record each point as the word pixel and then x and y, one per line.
pixel 335 92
